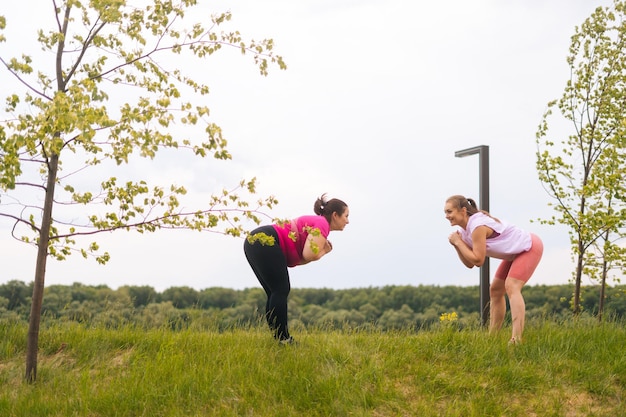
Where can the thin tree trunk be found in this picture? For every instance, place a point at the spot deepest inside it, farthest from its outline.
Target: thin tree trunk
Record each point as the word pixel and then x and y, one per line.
pixel 602 291
pixel 32 344
pixel 579 273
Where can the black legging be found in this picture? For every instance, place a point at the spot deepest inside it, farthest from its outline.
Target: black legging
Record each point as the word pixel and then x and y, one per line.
pixel 270 267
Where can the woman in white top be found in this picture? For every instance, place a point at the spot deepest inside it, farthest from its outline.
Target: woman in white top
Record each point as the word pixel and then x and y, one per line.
pixel 481 236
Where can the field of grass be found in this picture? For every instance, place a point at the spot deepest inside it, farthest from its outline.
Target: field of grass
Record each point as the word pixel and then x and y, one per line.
pixel 568 369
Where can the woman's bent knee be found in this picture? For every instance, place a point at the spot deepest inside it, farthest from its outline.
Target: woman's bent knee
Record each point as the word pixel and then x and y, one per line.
pixel 497 287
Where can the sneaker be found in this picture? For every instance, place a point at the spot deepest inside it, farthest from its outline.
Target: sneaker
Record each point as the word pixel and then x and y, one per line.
pixel 289 341
pixel 514 341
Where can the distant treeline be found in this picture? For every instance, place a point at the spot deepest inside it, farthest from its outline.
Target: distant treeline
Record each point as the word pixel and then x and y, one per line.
pixel 387 307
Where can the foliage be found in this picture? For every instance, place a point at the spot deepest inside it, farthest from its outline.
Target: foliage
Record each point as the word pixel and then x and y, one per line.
pixel 584 171
pixel 120 89
pixel 115 98
pixel 383 308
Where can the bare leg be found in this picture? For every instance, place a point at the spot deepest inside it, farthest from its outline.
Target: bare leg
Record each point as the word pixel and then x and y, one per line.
pixel 518 307
pixel 497 304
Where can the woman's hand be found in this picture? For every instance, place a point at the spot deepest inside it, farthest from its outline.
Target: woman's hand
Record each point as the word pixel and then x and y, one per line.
pixel 474 255
pixel 455 238
pixel 459 245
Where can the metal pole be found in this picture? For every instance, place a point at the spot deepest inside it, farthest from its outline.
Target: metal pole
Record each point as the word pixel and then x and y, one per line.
pixel 483 190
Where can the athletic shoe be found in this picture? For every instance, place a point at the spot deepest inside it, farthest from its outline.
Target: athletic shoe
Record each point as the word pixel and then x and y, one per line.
pixel 289 341
pixel 514 341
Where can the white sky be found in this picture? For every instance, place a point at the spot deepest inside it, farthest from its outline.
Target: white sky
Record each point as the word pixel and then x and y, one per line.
pixel 377 97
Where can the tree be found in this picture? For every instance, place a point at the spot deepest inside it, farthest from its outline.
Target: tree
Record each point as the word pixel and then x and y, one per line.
pixel 217 297
pixel 112 99
pixel 584 171
pixel 604 256
pixel 16 292
pixel 140 296
pixel 181 297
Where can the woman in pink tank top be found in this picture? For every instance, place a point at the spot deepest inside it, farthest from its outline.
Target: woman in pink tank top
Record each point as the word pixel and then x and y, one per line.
pixel 296 242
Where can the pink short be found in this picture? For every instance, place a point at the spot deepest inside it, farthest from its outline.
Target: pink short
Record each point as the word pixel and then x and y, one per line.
pixel 524 264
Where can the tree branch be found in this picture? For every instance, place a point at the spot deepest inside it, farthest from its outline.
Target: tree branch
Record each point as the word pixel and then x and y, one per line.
pixel 156 222
pixel 18 220
pixel 39 93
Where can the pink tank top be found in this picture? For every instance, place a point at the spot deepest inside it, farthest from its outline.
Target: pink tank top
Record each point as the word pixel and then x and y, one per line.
pixel 293 246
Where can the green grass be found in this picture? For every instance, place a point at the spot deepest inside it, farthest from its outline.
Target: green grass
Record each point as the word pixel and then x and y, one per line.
pixel 568 369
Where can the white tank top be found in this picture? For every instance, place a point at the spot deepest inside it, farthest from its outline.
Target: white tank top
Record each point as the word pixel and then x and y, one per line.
pixel 506 242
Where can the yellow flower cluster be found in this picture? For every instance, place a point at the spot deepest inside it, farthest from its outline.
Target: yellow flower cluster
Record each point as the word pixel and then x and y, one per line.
pixel 448 317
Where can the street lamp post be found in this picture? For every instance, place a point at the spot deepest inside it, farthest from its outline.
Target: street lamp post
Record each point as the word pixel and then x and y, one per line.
pixel 483 190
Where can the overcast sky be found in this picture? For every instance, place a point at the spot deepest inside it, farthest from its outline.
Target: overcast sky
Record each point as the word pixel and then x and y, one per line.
pixel 377 97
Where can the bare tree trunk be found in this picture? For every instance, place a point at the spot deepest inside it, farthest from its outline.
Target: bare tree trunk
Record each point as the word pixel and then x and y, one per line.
pixel 577 283
pixel 32 344
pixel 602 291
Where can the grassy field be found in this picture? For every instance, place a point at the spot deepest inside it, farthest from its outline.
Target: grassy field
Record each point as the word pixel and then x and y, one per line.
pixel 567 369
